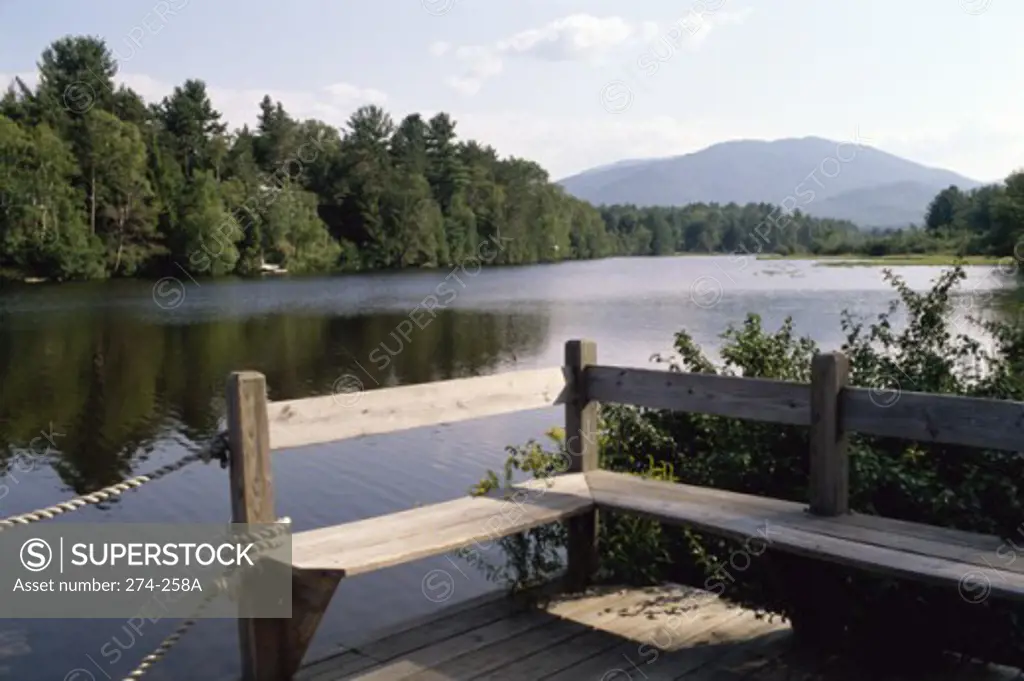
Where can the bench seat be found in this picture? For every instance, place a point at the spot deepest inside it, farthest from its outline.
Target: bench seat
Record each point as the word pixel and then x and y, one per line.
pixel 970 562
pixel 963 560
pixel 375 543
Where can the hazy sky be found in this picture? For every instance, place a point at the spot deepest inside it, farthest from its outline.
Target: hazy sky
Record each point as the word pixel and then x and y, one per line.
pixel 574 83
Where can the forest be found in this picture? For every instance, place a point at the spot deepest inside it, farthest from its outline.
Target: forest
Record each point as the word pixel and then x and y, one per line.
pixel 987 221
pixel 97 183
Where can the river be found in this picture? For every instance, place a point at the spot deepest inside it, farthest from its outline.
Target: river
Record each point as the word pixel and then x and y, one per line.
pixel 123 375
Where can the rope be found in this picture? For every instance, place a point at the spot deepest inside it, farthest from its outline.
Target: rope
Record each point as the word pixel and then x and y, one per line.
pixel 220 586
pixel 216 449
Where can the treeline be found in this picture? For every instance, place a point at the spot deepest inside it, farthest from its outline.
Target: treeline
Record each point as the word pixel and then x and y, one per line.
pixel 984 221
pixel 730 228
pixel 95 182
pixel 987 220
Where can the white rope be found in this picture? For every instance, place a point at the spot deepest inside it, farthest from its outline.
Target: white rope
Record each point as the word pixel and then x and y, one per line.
pixel 217 448
pixel 222 585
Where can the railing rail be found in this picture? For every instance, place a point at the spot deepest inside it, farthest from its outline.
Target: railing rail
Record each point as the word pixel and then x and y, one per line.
pixel 316 420
pixel 981 423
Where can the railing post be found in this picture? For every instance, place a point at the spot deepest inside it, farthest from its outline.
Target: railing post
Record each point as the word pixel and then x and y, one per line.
pixel 581 443
pixel 830 469
pixel 252 501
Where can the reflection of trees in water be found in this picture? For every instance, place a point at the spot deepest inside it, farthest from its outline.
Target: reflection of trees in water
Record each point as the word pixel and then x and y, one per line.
pixel 116 385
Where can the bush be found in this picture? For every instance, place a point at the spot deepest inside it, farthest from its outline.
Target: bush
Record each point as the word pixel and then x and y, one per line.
pixel 943 485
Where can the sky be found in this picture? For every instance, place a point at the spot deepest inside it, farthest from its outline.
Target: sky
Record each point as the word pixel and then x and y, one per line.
pixel 574 84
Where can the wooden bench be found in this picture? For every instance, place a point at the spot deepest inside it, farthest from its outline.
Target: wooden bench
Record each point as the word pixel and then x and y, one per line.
pixel 825 530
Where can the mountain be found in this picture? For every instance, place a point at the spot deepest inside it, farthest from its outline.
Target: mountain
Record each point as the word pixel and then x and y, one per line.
pixel 867 186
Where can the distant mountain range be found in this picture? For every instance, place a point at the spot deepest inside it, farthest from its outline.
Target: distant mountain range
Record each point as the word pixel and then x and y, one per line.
pixel 821 177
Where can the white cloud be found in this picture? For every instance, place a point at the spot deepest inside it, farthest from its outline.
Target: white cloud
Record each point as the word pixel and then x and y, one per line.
pixel 578 37
pixel 572 37
pixel 480 64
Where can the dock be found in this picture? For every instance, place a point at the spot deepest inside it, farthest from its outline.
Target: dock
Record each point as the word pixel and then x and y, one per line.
pixel 581 630
pixel 663 633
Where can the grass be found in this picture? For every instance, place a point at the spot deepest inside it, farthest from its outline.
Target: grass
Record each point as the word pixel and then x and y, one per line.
pixel 895 259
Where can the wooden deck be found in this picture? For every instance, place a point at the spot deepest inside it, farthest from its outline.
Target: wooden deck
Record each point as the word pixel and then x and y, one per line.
pixel 607 634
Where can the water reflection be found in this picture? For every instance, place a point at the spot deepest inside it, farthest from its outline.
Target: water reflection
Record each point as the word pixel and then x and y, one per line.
pixel 114 384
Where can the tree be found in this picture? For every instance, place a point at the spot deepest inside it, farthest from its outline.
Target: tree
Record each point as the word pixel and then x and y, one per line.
pixel 76 74
pixel 277 141
pixel 118 184
pixel 299 241
pixel 41 227
pixel 191 122
pixel 412 221
pixel 204 238
pixel 1008 217
pixel 945 208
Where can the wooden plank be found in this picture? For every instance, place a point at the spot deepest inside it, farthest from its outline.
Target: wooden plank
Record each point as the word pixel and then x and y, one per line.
pixel 480 650
pixel 669 634
pixel 660 501
pixel 375 543
pixel 581 444
pixel 946 419
pixel 414 634
pixel 980 542
pixel 830 467
pixel 592 632
pixel 573 641
pixel 644 658
pixel 989 552
pixel 757 399
pixel 422 664
pixel 501 505
pixel 743 655
pixel 624 483
pixel 927 543
pixel 297 423
pixel 795 664
pixel 263 642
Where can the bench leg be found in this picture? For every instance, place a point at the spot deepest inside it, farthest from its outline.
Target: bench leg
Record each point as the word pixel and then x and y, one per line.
pixel 277 647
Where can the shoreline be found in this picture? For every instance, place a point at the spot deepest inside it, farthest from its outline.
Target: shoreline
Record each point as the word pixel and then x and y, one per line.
pixel 894 259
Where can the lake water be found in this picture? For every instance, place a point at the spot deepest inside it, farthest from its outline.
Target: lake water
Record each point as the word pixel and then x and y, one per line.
pixel 127 374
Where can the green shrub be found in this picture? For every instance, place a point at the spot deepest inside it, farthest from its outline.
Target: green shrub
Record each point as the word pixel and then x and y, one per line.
pixel 937 351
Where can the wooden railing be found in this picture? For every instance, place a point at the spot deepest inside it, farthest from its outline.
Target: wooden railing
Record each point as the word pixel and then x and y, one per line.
pixel 272 649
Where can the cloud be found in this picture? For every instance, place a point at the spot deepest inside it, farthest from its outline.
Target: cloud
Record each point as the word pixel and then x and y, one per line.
pixel 439 49
pixel 577 37
pixel 480 64
pixel 574 37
